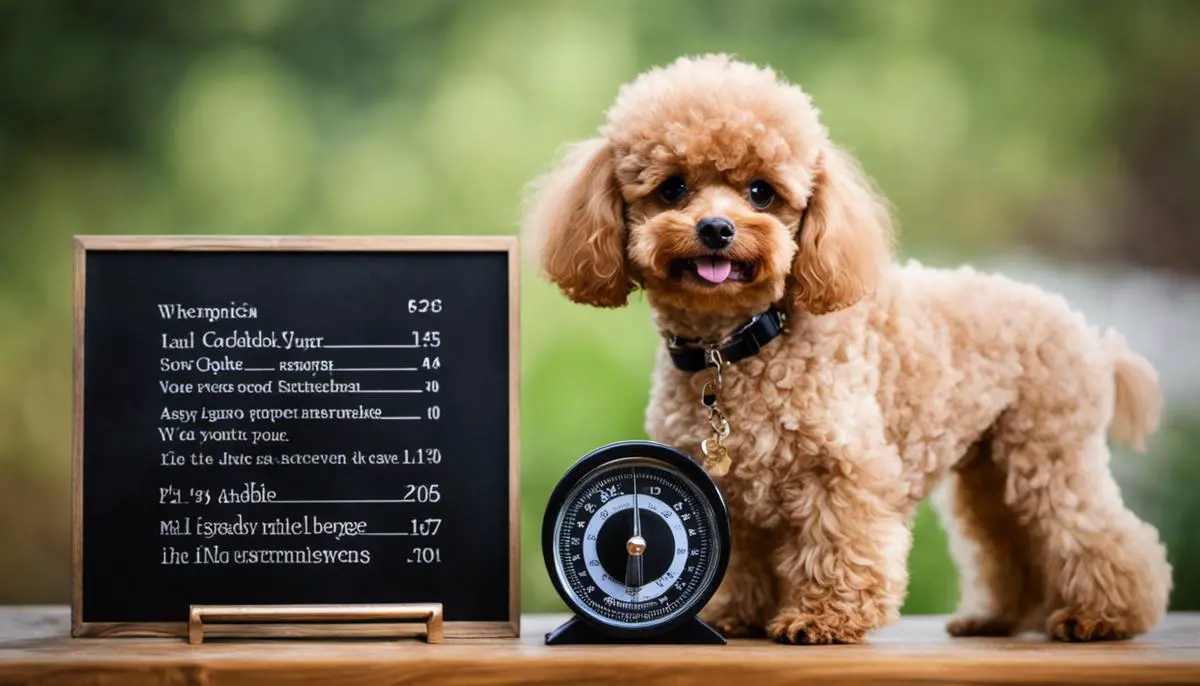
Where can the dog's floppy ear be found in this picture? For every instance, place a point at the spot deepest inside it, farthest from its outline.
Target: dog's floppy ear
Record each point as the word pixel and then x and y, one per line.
pixel 576 226
pixel 845 238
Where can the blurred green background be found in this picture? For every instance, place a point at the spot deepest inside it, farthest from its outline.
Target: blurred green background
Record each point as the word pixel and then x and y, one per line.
pixel 1057 141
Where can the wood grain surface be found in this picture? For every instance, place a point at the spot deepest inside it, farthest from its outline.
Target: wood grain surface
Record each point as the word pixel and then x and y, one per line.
pixel 35 647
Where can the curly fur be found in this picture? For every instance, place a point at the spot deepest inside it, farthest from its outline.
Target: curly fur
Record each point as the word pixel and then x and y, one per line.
pixel 891 380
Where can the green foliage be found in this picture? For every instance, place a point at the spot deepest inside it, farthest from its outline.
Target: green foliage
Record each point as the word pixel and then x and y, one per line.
pixel 386 116
pixel 934 585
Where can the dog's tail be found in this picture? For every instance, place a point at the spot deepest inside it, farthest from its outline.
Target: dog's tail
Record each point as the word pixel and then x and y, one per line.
pixel 1138 404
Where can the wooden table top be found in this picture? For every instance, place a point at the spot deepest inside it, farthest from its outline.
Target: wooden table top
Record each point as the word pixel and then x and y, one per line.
pixel 35 647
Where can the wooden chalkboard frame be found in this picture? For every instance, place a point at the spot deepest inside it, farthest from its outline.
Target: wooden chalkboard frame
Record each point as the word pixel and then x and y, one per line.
pixel 504 244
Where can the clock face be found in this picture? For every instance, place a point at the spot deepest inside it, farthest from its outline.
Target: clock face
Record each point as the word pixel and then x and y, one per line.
pixel 637 544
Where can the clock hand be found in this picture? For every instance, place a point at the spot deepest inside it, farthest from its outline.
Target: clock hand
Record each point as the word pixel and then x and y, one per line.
pixel 635 546
pixel 633 576
pixel 637 512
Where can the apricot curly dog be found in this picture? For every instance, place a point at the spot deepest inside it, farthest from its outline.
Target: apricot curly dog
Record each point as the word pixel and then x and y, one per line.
pixel 713 187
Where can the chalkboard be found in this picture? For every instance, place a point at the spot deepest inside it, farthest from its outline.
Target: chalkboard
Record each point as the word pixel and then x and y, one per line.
pixel 295 421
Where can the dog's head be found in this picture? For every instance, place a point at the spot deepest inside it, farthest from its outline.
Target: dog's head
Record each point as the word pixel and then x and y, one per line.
pixel 714 187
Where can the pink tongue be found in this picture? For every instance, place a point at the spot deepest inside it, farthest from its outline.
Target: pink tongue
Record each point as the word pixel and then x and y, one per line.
pixel 713 269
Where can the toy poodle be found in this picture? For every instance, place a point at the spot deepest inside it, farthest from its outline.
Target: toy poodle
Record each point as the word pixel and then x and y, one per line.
pixel 852 385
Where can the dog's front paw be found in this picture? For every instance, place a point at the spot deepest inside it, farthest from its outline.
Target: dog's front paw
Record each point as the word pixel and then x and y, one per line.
pixel 799 628
pixel 1068 625
pixel 974 625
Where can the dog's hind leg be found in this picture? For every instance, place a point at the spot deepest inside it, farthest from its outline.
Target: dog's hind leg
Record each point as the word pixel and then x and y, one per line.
pixel 1105 572
pixel 999 580
pixel 746 597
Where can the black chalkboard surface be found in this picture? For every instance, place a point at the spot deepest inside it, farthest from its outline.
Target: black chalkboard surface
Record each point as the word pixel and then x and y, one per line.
pixel 295 421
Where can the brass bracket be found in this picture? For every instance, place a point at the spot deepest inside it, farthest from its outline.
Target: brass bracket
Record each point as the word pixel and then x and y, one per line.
pixel 302 617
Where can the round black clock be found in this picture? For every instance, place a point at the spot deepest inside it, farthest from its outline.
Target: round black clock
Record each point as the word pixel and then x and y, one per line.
pixel 636 540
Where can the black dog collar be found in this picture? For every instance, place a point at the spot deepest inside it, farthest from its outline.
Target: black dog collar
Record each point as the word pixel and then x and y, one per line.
pixel 691 354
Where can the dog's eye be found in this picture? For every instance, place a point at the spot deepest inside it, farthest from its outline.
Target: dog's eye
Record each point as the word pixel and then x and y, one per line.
pixel 672 190
pixel 761 194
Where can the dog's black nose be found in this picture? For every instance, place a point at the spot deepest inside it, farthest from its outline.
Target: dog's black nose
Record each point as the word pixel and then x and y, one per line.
pixel 716 233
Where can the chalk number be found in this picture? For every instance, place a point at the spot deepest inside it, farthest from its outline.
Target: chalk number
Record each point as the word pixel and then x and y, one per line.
pixel 424 305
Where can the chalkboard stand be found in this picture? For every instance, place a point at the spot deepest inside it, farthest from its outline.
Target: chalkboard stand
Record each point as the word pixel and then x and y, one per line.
pixel 201 616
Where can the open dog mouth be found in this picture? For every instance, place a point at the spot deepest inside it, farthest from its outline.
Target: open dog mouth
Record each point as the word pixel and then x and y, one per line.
pixel 713 270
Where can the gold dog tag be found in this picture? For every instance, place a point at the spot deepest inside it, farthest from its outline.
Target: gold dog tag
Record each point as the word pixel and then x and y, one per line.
pixel 716 458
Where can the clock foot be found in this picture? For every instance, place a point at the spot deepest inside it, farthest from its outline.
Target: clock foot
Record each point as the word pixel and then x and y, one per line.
pixel 692 632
